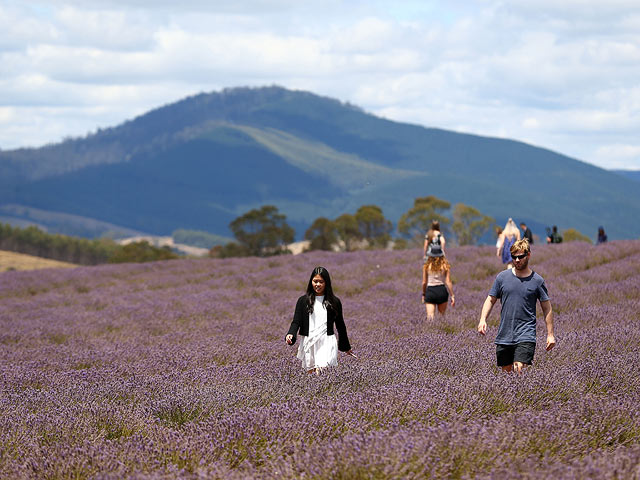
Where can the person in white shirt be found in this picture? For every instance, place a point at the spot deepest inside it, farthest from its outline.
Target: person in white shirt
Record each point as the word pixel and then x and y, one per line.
pixel 318 314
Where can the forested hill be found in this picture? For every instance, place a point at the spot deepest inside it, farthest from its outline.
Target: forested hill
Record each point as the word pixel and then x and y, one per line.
pixel 632 174
pixel 201 162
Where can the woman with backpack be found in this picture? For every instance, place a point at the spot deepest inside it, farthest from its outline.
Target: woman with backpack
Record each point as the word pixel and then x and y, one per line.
pixel 434 240
pixel 510 234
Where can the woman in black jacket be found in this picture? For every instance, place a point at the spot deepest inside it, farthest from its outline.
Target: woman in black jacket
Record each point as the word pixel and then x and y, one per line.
pixel 318 314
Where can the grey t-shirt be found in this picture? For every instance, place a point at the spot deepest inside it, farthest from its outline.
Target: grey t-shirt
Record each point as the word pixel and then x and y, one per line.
pixel 518 297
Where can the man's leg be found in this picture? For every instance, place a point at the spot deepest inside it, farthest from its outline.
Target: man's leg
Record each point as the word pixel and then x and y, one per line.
pixel 523 355
pixel 504 355
pixel 519 366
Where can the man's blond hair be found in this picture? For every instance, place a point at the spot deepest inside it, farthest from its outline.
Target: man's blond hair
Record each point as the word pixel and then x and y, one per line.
pixel 522 244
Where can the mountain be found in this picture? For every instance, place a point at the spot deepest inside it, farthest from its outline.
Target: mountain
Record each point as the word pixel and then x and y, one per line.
pixel 632 174
pixel 199 163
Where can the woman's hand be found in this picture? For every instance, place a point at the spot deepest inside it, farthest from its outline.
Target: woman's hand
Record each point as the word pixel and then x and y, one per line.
pixel 289 339
pixel 453 301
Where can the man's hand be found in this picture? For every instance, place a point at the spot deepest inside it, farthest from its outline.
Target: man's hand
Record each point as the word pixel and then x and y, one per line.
pixel 487 306
pixel 482 327
pixel 551 342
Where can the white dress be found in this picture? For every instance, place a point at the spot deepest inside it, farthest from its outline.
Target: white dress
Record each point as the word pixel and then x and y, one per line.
pixel 318 349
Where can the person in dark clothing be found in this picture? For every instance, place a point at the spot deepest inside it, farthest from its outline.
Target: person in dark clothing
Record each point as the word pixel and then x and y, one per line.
pixel 602 237
pixel 553 236
pixel 526 233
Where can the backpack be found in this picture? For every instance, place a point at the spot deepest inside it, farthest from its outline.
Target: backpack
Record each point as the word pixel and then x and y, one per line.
pixel 434 248
pixel 556 238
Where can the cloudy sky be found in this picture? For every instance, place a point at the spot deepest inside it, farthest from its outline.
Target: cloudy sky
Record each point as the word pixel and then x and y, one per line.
pixel 563 75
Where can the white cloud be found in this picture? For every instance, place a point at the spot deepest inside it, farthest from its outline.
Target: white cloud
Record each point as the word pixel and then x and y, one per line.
pixel 7 114
pixel 618 156
pixel 109 30
pixel 366 36
pixel 562 75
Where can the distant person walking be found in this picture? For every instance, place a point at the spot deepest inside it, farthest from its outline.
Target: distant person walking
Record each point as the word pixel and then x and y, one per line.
pixel 526 233
pixel 554 236
pixel 498 236
pixel 437 288
pixel 434 241
pixel 510 235
pixel 318 314
pixel 519 289
pixel 602 237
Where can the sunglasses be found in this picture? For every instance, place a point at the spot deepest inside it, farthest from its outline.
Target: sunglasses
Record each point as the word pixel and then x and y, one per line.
pixel 519 257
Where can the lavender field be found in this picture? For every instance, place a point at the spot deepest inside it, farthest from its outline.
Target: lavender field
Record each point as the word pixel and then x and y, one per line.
pixel 179 369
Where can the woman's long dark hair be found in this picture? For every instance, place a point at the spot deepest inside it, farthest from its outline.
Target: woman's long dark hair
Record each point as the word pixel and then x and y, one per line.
pixel 330 301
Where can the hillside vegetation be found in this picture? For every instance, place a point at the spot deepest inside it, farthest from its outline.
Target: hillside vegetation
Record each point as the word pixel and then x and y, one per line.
pixel 199 163
pixel 36 242
pixel 10 261
pixel 180 370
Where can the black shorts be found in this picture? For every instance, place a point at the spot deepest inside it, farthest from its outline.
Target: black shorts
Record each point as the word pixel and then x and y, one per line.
pixel 436 294
pixel 520 352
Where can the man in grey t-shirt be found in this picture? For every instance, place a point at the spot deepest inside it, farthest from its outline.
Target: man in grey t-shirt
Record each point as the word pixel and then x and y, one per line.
pixel 519 289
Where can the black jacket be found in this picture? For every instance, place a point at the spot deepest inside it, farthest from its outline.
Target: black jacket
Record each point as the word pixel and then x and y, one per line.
pixel 300 323
pixel 528 235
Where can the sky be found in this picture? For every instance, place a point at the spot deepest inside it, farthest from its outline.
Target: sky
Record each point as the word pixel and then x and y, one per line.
pixel 563 75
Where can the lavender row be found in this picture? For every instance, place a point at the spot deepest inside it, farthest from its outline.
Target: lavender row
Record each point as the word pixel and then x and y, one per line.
pixel 179 370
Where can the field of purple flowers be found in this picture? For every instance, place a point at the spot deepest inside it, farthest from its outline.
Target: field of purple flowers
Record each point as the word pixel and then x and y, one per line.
pixel 179 369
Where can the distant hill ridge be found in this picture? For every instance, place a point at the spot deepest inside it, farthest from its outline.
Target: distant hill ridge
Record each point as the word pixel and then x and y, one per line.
pixel 632 174
pixel 201 162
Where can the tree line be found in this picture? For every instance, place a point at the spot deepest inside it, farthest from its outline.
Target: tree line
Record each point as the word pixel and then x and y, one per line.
pixel 264 231
pixel 34 241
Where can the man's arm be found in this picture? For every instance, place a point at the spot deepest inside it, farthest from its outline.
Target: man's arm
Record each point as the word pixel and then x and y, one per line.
pixel 548 320
pixel 486 310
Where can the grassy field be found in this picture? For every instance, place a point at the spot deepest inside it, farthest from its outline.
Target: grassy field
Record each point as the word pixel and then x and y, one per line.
pixel 179 370
pixel 19 261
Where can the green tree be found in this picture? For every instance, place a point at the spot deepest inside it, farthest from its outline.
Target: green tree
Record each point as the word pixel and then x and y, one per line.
pixel 231 249
pixel 348 231
pixel 573 235
pixel 322 234
pixel 469 224
pixel 373 226
pixel 417 220
pixel 141 252
pixel 33 241
pixel 263 231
